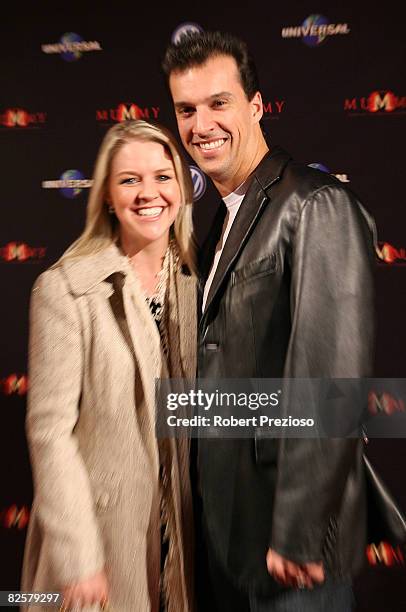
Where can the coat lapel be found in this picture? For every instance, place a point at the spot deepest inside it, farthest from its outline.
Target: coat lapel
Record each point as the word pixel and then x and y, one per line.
pixel 109 273
pixel 143 329
pixel 256 199
pixel 86 273
pixel 183 290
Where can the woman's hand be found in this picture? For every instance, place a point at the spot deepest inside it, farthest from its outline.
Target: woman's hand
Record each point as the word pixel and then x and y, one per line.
pixel 86 592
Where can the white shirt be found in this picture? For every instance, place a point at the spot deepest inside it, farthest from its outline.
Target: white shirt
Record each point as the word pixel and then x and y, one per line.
pixel 233 202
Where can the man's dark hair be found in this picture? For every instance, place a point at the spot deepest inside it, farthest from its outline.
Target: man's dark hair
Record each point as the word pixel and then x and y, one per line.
pixel 196 48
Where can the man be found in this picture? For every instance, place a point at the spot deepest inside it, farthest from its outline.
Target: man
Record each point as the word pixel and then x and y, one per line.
pixel 286 292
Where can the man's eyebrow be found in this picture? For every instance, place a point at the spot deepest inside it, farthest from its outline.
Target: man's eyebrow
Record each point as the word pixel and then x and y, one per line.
pixel 182 104
pixel 221 94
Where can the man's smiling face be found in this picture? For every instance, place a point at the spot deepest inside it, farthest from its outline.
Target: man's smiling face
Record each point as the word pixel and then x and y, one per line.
pixel 218 125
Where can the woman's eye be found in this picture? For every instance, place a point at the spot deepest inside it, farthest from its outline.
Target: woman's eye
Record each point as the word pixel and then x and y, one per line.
pixel 163 178
pixel 128 181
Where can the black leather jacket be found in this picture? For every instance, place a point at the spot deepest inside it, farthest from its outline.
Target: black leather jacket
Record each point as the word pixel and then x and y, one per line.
pixel 292 297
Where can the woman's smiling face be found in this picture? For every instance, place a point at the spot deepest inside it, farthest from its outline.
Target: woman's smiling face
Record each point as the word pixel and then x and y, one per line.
pixel 144 192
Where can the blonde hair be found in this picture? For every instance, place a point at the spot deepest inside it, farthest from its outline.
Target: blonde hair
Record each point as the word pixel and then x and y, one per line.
pixel 101 228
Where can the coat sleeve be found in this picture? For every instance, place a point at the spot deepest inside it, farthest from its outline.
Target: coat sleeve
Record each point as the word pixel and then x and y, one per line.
pixel 331 337
pixel 63 501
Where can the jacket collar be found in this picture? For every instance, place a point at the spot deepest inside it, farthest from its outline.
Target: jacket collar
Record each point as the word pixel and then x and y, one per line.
pixel 271 167
pixel 84 273
pixel 268 172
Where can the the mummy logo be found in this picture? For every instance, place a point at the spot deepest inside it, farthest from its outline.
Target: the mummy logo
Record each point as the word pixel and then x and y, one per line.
pixel 19 252
pixel 185 29
pixel 390 254
pixel 14 517
pixel 379 102
pixel 21 118
pixel 15 384
pixel 199 182
pixel 273 108
pixel 126 111
pixel 385 554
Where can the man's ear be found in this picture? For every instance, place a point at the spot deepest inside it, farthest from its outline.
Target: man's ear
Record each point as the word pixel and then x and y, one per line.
pixel 257 107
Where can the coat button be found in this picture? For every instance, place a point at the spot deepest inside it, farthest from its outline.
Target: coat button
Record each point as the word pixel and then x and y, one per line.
pixel 211 346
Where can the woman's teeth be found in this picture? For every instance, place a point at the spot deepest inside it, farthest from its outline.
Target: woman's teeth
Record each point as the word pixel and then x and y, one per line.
pixel 149 212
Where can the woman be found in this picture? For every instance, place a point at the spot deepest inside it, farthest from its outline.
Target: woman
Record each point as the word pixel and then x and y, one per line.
pixel 114 313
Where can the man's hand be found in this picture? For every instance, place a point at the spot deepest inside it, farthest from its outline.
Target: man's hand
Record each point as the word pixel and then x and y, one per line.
pixel 291 574
pixel 86 592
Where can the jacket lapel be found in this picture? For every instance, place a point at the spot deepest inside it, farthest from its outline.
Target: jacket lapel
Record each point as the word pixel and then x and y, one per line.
pixel 207 251
pixel 266 174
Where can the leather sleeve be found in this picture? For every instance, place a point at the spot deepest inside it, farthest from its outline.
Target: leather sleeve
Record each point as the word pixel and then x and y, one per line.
pixel 332 337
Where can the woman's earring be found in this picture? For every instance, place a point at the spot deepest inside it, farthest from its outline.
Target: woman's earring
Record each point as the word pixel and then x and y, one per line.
pixel 111 210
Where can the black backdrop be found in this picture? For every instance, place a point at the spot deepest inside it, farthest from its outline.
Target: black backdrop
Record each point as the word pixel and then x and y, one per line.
pixel 339 102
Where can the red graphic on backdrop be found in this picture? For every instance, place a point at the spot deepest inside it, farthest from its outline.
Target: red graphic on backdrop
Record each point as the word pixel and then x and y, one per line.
pixel 21 252
pixel 20 118
pixel 379 102
pixel 385 554
pixel 15 517
pixel 14 384
pixel 390 254
pixel 125 111
pixel 273 108
pixel 386 102
pixel 384 402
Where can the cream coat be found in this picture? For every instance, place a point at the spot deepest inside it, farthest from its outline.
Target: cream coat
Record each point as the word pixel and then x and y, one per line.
pixel 94 356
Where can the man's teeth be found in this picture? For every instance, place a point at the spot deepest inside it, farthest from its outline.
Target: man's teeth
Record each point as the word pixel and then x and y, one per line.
pixel 212 145
pixel 149 212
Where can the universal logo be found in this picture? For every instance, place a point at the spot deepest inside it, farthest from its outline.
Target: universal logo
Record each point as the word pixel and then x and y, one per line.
pixel 391 255
pixel 71 46
pixel 185 29
pixel 341 177
pixel 21 118
pixel 19 252
pixel 379 102
pixel 315 29
pixel 125 111
pixel 15 384
pixel 70 184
